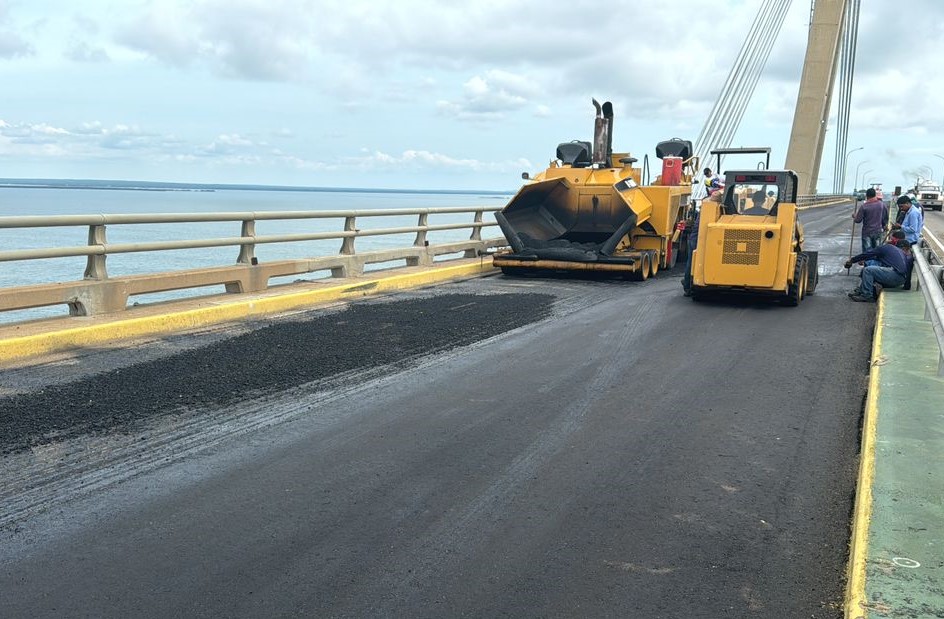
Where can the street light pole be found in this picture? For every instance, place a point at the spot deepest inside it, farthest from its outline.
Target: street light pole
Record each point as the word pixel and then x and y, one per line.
pixel 866 173
pixel 845 166
pixel 856 179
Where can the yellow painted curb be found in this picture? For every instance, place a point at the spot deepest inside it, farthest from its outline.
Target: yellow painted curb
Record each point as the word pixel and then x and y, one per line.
pixel 31 345
pixel 856 602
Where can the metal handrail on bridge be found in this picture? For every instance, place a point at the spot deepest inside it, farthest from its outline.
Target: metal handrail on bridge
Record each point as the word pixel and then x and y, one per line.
pixel 931 283
pixel 821 199
pixel 98 293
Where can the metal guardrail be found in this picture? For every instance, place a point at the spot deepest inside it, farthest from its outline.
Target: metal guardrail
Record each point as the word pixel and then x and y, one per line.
pixel 931 284
pixel 817 200
pixel 99 293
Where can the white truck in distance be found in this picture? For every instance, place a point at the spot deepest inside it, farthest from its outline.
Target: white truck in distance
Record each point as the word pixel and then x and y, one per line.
pixel 929 195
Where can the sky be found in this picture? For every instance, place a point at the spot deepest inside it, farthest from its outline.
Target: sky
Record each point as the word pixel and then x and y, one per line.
pixel 428 94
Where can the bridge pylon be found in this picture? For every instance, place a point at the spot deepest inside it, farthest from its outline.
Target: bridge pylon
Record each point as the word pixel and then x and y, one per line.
pixel 816 88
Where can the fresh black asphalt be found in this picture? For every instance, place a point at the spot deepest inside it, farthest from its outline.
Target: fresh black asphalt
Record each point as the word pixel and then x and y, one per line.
pixel 263 361
pixel 612 449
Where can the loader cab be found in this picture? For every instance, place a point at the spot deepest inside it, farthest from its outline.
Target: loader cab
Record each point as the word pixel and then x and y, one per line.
pixel 758 193
pixel 752 242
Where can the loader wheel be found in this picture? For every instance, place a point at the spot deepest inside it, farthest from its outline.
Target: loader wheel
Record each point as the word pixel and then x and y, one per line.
pixel 812 280
pixel 797 289
pixel 812 273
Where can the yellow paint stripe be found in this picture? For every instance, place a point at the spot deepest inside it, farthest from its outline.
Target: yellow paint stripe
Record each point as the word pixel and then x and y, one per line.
pixel 28 346
pixel 855 603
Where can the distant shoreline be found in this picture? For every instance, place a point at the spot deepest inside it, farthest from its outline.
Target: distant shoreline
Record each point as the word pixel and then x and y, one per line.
pixel 42 183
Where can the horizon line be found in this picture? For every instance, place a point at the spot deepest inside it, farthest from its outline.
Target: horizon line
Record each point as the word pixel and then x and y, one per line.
pixel 67 183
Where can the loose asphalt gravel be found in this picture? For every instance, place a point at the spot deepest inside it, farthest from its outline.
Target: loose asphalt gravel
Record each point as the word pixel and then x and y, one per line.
pixel 264 361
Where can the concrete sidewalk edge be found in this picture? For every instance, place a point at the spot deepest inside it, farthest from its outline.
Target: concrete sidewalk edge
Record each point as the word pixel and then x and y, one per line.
pixel 20 348
pixel 855 600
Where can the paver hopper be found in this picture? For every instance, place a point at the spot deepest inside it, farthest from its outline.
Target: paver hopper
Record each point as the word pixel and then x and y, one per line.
pixel 589 212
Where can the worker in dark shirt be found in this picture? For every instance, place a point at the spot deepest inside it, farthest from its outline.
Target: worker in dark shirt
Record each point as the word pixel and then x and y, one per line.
pixel 888 267
pixel 874 219
pixel 899 239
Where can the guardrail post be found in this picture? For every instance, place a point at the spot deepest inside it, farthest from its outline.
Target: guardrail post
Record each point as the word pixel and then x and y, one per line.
pixel 423 257
pixel 477 230
pixel 352 266
pixel 476 236
pixel 347 245
pixel 253 280
pixel 247 253
pixel 421 234
pixel 99 296
pixel 95 266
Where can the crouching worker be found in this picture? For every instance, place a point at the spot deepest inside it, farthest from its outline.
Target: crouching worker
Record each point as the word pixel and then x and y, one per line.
pixel 887 265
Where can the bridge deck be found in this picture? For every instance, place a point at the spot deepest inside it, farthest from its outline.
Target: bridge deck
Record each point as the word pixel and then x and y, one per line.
pixel 493 447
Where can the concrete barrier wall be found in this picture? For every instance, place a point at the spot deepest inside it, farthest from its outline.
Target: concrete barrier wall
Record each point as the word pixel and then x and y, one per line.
pixel 98 293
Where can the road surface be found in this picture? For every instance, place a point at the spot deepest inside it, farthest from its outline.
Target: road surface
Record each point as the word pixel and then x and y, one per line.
pixel 498 447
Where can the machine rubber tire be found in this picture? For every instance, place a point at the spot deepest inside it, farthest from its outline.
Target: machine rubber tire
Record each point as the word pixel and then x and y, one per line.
pixel 653 263
pixel 812 272
pixel 796 290
pixel 812 279
pixel 642 273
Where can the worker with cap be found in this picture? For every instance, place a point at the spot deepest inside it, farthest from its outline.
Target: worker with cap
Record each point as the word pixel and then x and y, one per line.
pixel 912 222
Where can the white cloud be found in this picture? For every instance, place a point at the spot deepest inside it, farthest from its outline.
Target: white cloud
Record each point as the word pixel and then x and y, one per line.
pixel 165 31
pixel 12 45
pixel 489 97
pixel 479 79
pixel 246 39
pixel 424 159
pixel 81 51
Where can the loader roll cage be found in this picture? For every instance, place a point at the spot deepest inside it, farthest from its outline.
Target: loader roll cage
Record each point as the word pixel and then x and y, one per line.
pixel 744 150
